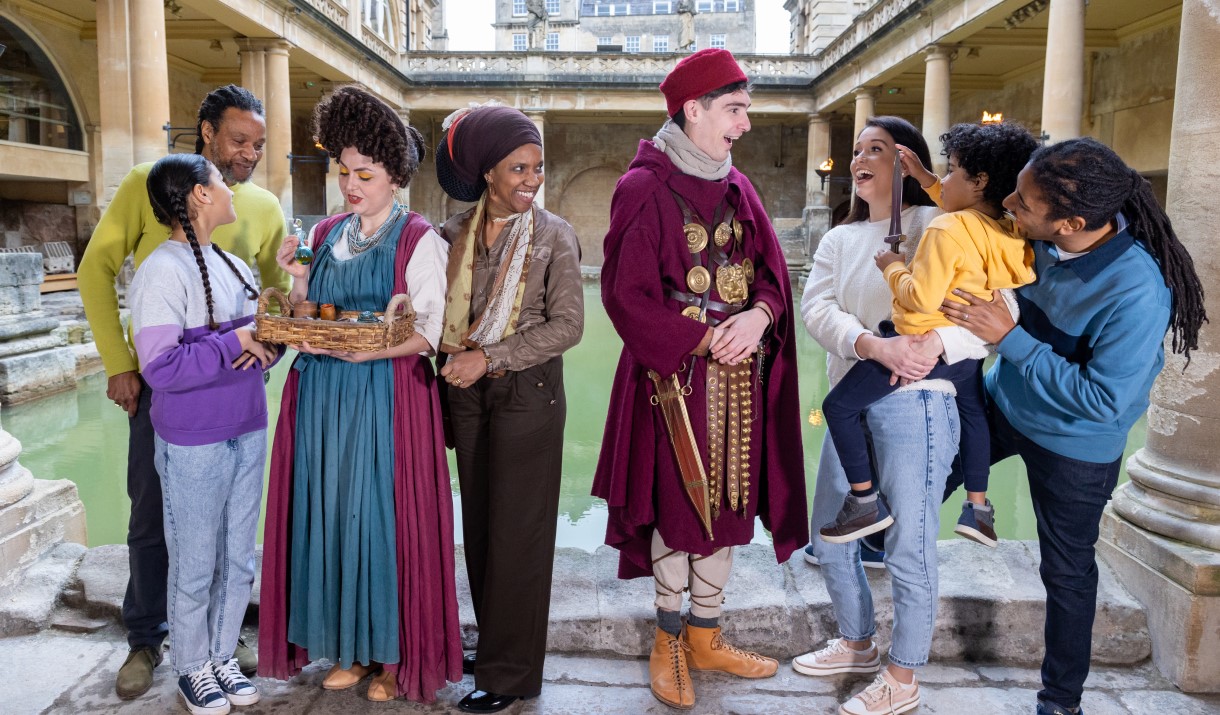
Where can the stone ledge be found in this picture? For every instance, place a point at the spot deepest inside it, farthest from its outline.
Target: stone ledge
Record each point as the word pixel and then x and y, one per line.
pixel 991 605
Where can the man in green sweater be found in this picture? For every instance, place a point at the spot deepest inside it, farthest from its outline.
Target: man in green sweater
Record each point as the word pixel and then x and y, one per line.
pixel 231 134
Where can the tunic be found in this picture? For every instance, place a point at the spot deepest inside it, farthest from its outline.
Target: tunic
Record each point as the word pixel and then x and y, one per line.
pixel 637 472
pixel 358 563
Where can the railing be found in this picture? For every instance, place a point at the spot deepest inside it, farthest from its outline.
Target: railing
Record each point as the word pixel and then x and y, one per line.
pixel 591 68
pixel 865 27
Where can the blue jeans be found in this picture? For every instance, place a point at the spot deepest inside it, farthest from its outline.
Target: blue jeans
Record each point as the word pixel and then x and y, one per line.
pixel 1068 497
pixel 914 437
pixel 212 495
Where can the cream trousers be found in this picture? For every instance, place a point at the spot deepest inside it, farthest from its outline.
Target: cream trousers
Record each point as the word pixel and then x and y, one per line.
pixel 703 576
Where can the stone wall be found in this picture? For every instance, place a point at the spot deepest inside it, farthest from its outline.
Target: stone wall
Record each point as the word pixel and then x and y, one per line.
pixel 585 160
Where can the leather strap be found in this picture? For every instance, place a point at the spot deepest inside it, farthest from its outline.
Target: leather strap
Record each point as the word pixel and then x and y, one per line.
pixel 699 299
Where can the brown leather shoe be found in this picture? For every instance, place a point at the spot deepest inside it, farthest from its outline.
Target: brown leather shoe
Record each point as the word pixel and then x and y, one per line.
pixel 136 674
pixel 667 668
pixel 340 679
pixel 384 687
pixel 710 651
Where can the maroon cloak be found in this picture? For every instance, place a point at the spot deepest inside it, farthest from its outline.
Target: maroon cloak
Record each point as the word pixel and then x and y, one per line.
pixel 637 473
pixel 429 637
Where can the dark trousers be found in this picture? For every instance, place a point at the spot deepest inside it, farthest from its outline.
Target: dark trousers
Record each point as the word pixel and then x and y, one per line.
pixel 1068 498
pixel 508 436
pixel 868 381
pixel 144 603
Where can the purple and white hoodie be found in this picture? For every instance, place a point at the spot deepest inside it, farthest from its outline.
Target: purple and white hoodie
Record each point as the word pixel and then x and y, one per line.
pixel 198 398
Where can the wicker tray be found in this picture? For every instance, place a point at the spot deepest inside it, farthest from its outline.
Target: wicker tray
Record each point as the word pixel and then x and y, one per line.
pixel 398 325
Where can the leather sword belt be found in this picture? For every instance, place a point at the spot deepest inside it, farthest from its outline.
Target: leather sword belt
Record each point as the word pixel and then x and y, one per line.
pixel 670 396
pixel 697 300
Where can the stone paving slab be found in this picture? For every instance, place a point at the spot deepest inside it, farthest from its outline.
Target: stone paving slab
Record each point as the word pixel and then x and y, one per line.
pixel 67 673
pixel 988 601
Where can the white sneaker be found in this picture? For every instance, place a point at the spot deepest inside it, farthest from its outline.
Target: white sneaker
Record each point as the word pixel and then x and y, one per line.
pixel 838 658
pixel 237 688
pixel 886 696
pixel 201 693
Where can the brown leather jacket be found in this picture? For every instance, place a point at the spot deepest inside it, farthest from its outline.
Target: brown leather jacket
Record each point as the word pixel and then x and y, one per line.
pixel 552 315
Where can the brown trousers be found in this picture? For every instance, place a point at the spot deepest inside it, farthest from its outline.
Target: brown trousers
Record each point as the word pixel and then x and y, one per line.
pixel 508 436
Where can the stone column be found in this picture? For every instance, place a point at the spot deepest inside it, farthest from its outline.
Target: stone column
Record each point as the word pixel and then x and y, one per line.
pixel 936 103
pixel 1162 534
pixel 114 146
pixel 865 107
pixel 404 114
pixel 278 103
pixel 539 119
pixel 149 79
pixel 817 204
pixel 253 58
pixel 1063 80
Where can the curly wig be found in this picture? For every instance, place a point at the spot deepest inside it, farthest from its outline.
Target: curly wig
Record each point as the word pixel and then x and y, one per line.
pixel 351 117
pixel 998 150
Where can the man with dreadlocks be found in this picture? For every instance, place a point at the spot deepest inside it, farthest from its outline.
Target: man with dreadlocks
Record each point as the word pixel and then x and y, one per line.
pixel 232 131
pixel 1074 373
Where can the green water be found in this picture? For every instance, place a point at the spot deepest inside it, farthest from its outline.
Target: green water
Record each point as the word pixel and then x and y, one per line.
pixel 82 436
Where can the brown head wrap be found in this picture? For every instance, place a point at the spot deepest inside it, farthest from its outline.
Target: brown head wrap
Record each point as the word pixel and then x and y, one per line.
pixel 477 141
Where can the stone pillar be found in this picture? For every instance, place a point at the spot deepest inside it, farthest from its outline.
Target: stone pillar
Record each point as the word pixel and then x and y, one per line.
pixel 816 216
pixel 1162 534
pixel 149 79
pixel 539 119
pixel 278 103
pixel 114 84
pixel 936 103
pixel 865 107
pixel 404 113
pixel 1063 80
pixel 253 58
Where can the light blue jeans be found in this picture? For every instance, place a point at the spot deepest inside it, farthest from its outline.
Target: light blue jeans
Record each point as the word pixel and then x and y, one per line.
pixel 211 497
pixel 914 437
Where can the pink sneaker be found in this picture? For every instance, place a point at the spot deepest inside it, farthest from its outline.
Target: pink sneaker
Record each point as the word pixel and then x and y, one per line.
pixel 885 695
pixel 838 658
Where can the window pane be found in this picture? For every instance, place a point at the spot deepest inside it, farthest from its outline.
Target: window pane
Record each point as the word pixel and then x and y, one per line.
pixel 633 43
pixel 519 41
pixel 552 7
pixel 518 7
pixel 717 41
pixel 605 40
pixel 661 7
pixel 552 42
pixel 703 6
pixel 660 43
pixel 34 104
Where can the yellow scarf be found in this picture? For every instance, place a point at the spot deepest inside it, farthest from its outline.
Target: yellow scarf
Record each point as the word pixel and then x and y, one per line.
pixel 501 315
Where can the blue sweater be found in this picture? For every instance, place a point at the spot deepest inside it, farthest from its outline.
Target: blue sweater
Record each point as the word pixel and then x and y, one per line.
pixel 1075 373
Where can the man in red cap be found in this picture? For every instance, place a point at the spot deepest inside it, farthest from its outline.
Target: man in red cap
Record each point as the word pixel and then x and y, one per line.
pixel 703 431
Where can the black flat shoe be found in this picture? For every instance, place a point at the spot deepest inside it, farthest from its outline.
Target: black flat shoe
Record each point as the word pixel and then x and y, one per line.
pixel 468 663
pixel 481 701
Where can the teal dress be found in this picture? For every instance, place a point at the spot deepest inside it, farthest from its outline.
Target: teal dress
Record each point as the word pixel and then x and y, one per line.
pixel 343 599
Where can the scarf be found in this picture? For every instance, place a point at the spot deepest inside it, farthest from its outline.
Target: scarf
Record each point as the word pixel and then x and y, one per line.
pixel 689 158
pixel 499 317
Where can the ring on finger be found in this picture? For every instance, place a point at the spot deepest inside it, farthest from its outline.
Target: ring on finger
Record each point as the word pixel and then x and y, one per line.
pixel 965 317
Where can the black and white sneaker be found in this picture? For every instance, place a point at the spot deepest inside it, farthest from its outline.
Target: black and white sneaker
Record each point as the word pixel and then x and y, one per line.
pixel 201 693
pixel 237 688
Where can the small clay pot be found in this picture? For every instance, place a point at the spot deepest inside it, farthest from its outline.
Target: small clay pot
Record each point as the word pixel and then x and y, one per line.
pixel 327 311
pixel 305 309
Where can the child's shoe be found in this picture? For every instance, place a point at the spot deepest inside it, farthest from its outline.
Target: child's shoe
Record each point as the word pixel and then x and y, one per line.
pixel 201 693
pixel 977 523
pixel 886 696
pixel 860 516
pixel 837 658
pixel 237 688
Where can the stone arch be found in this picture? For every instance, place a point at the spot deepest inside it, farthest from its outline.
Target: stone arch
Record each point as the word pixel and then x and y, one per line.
pixel 585 203
pixel 26 37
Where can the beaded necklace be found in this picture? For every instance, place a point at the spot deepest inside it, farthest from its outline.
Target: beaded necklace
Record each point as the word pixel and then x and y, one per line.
pixel 358 243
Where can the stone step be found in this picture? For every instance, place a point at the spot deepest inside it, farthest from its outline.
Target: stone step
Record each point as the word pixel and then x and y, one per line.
pixel 49 515
pixel 26 606
pixel 991 605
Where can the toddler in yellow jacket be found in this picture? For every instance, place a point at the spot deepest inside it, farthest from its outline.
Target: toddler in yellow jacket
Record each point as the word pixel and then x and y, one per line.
pixel 973 248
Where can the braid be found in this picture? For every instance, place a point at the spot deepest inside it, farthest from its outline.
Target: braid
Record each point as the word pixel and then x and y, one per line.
pixel 178 206
pixel 1149 222
pixel 250 292
pixel 1085 178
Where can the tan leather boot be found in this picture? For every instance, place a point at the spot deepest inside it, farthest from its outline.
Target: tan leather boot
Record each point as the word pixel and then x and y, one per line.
pixel 667 668
pixel 710 651
pixel 339 679
pixel 384 687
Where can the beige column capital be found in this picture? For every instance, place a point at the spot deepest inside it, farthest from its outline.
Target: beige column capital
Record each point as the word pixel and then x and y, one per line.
pixel 936 102
pixel 866 98
pixel 1063 80
pixel 818 152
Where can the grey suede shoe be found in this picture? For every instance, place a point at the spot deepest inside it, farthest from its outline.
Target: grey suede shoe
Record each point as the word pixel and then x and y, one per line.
pixel 247 659
pixel 136 675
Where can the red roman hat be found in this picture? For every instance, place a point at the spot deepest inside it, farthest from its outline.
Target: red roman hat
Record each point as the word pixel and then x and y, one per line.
pixel 694 76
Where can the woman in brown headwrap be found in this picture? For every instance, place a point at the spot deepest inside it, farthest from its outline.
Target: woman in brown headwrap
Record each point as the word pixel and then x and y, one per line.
pixel 515 304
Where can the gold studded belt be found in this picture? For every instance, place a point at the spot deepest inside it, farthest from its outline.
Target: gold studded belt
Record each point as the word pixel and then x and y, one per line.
pixel 730 414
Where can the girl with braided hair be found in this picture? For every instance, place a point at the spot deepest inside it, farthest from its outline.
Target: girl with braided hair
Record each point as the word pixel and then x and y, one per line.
pixel 192 314
pixel 358 547
pixel 1074 373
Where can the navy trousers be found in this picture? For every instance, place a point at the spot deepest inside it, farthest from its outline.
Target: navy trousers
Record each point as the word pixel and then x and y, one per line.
pixel 144 603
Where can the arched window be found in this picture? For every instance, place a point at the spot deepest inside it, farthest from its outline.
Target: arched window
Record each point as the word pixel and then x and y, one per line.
pixel 34 104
